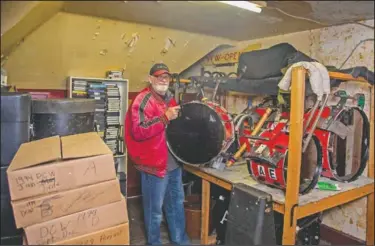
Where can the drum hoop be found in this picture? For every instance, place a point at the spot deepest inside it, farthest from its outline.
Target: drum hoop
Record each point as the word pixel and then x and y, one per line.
pixel 318 169
pixel 364 152
pixel 223 124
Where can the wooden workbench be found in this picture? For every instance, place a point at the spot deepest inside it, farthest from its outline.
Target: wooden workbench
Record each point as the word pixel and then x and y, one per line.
pixel 311 203
pixel 290 203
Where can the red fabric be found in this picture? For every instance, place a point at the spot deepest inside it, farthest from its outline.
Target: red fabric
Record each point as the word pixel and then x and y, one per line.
pixel 145 124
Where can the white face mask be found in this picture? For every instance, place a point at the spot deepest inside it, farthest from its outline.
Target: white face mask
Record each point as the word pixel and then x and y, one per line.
pixel 162 89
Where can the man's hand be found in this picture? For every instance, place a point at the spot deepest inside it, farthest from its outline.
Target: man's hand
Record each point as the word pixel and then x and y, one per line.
pixel 172 113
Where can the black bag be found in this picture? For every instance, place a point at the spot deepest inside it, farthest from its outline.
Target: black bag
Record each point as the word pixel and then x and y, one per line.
pixel 267 63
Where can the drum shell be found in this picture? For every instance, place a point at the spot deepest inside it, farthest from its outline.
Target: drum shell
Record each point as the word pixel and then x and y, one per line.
pixel 274 176
pixel 15 123
pixel 277 176
pixel 226 120
pixel 62 117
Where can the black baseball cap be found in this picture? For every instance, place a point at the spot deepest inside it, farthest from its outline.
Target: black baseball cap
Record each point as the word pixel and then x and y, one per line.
pixel 159 69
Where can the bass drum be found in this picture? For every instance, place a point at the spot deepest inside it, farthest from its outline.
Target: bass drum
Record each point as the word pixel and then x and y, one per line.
pixel 268 160
pixel 202 132
pixel 337 163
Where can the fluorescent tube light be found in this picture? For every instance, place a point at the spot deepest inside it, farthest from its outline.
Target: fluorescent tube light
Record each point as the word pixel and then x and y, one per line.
pixel 244 5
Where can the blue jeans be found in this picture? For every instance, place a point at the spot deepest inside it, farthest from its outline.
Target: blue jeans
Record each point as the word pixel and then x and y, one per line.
pixel 167 193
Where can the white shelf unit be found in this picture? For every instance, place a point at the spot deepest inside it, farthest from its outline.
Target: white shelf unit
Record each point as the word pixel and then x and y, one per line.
pixel 123 85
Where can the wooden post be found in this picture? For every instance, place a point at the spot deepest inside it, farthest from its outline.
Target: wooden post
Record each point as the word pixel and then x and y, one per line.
pixel 294 155
pixel 205 211
pixel 370 198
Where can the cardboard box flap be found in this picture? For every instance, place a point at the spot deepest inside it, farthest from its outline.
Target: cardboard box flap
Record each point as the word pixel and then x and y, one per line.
pixel 36 152
pixel 83 145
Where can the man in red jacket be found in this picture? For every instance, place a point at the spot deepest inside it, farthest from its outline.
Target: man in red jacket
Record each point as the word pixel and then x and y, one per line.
pixel 161 175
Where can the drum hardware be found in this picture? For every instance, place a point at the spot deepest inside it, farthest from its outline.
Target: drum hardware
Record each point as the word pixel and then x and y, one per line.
pixel 176 79
pixel 311 115
pixel 270 159
pixel 215 91
pixel 339 129
pixel 32 132
pixel 257 138
pixel 253 133
pixel 359 97
pixel 311 132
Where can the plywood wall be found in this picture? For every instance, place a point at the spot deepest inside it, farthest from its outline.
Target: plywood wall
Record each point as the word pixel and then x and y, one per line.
pixel 75 45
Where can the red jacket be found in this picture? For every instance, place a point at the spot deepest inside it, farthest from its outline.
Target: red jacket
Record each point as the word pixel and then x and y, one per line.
pixel 145 137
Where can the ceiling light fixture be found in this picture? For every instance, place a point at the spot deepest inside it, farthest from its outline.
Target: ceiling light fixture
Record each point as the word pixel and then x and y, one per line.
pixel 244 5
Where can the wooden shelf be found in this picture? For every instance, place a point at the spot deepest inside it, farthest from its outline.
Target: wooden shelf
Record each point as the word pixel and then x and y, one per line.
pixel 290 203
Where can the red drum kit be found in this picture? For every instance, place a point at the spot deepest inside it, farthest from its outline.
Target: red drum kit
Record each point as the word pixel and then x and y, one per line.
pixel 206 131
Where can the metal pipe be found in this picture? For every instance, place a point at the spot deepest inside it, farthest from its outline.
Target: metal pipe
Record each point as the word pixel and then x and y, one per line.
pixel 309 136
pixel 311 115
pixel 215 91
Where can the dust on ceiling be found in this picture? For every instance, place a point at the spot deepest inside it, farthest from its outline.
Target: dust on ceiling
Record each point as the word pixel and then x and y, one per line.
pixel 216 19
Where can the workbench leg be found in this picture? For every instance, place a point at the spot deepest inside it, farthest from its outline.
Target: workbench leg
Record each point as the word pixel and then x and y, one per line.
pixel 294 155
pixel 370 198
pixel 370 220
pixel 289 230
pixel 205 211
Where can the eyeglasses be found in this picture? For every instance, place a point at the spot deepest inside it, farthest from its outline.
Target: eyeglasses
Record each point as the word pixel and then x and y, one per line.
pixel 163 77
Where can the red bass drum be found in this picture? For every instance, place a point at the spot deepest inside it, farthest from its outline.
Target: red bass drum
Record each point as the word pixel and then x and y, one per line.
pixel 202 132
pixel 344 136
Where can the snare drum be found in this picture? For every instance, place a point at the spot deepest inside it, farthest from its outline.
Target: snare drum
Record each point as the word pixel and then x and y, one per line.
pixel 202 132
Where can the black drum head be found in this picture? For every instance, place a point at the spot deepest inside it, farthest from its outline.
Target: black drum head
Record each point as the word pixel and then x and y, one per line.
pixel 196 137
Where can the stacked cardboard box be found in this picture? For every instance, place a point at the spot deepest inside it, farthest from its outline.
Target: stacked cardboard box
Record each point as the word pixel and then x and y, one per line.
pixel 64 190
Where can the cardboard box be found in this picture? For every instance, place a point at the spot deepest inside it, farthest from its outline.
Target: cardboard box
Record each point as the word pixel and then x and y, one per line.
pixel 43 208
pixel 57 164
pixel 117 235
pixel 77 224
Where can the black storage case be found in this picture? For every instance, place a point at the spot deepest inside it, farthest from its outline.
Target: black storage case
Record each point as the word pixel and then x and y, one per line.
pixel 15 123
pixel 51 117
pixel 250 219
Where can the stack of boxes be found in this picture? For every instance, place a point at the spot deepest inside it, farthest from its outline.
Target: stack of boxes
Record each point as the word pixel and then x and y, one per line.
pixel 64 191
